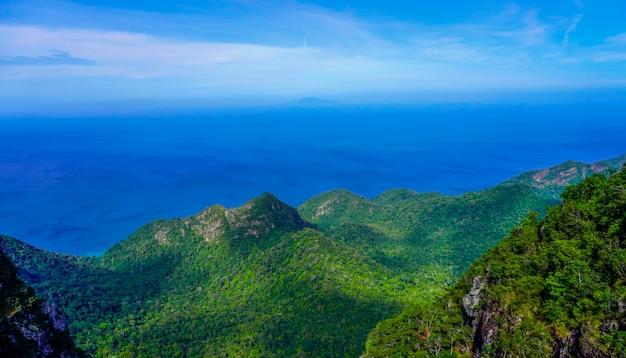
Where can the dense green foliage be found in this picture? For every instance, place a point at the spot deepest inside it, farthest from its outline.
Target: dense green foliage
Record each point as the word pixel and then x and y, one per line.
pixel 429 235
pixel 553 287
pixel 253 281
pixel 260 281
pixel 26 325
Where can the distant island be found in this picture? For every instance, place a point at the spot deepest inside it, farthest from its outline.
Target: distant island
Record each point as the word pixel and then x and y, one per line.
pixel 312 102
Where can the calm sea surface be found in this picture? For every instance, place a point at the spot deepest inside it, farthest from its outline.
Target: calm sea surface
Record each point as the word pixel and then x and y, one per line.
pixel 79 185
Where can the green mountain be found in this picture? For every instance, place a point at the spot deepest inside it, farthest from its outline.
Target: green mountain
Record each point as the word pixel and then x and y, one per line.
pixel 553 288
pixel 29 327
pixel 251 281
pixel 428 234
pixel 267 280
pixel 550 182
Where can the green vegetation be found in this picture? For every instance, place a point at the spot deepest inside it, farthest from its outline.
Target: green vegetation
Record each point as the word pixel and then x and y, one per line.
pixel 267 280
pixel 429 236
pixel 549 183
pixel 28 326
pixel 553 287
pixel 261 281
pixel 252 281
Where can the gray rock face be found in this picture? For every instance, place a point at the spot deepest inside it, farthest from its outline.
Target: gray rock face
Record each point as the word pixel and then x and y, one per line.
pixel 471 301
pixel 58 320
pixel 29 327
pixel 579 343
pixel 48 338
pixel 481 316
pixel 487 328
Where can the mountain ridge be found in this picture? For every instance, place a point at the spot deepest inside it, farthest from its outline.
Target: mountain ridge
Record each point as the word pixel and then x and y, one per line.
pixel 267 279
pixel 167 279
pixel 549 182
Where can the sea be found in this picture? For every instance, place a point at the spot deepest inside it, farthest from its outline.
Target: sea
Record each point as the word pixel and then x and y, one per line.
pixel 79 184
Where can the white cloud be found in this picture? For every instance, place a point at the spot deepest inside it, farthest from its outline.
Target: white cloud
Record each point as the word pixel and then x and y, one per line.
pixel 531 32
pixel 136 55
pixel 610 57
pixel 571 28
pixel 451 49
pixel 612 50
pixel 345 54
pixel 619 39
pixel 125 61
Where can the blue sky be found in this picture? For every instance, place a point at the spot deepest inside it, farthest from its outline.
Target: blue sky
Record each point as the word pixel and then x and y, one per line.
pixel 55 54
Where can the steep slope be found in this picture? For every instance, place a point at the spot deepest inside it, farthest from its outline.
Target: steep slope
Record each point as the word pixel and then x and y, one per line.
pixel 86 292
pixel 553 287
pixel 29 327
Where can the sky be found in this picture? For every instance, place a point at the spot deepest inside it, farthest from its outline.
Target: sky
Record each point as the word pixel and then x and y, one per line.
pixel 55 54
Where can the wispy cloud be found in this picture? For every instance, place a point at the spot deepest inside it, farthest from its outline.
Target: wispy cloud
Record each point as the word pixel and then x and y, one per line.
pixel 619 39
pixel 189 66
pixel 530 30
pixel 450 49
pixel 571 28
pixel 193 52
pixel 610 56
pixel 55 58
pixel 613 50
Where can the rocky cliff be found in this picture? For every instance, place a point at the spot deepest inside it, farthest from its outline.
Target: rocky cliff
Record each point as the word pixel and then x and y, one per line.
pixel 29 327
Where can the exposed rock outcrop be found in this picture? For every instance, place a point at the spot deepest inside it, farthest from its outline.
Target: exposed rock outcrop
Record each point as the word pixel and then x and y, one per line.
pixel 29 327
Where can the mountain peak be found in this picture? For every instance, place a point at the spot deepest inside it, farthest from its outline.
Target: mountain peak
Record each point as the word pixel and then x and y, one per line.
pixel 267 198
pixel 264 214
pixel 255 218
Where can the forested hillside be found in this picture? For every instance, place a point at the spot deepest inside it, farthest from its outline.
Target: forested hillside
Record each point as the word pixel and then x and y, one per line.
pixel 261 281
pixel 252 281
pixel 433 234
pixel 549 182
pixel 553 287
pixel 267 280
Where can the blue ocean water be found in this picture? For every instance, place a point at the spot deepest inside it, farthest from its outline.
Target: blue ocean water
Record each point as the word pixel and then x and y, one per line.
pixel 79 185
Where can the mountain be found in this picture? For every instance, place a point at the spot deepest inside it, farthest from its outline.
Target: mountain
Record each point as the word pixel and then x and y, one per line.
pixel 550 182
pixel 553 288
pixel 313 102
pixel 269 280
pixel 29 327
pixel 251 281
pixel 427 234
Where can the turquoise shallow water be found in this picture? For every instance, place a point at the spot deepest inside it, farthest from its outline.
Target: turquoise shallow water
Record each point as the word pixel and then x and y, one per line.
pixel 78 185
